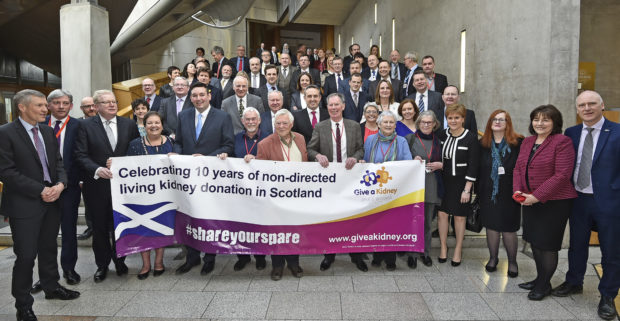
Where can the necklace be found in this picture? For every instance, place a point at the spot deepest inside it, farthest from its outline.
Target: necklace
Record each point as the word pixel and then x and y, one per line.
pixel 151 144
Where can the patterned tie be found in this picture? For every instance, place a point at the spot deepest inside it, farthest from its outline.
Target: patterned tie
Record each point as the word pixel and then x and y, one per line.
pixel 373 75
pixel 585 165
pixel 110 134
pixel 198 126
pixel 240 107
pixel 355 99
pixel 421 103
pixel 338 80
pixel 285 72
pixel 56 130
pixel 41 152
pixel 314 120
pixel 407 82
pixel 338 144
pixel 395 71
pixel 148 100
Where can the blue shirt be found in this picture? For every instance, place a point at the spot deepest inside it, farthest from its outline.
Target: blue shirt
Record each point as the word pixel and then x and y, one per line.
pixel 245 145
pixel 402 149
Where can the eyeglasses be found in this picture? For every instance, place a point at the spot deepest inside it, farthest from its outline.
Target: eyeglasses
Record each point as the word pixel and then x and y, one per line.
pixel 427 123
pixel 180 85
pixel 113 102
pixel 148 85
pixel 88 106
pixel 372 112
pixel 499 120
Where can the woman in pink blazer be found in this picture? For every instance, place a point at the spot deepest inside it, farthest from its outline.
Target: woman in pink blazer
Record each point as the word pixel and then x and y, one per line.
pixel 542 177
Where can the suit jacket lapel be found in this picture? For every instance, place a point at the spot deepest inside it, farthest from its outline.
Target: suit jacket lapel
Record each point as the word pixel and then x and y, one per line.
pixel 330 144
pixel 102 133
pixel 207 122
pixel 602 139
pixel 49 141
pixel 26 138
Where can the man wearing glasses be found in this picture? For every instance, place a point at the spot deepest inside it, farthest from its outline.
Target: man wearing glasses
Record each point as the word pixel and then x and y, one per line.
pixel 101 137
pixel 148 87
pixel 88 107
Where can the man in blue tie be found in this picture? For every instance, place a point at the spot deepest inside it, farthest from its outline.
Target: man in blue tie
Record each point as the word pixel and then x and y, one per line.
pixel 202 131
pixel 597 181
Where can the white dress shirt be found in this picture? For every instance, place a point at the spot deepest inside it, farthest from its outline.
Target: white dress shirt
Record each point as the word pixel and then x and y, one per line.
pixel 425 99
pixel 255 80
pixel 343 140
pixel 245 101
pixel 52 123
pixel 595 135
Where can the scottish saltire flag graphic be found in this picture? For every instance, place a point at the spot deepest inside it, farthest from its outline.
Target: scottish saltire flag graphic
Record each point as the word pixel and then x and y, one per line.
pixel 145 220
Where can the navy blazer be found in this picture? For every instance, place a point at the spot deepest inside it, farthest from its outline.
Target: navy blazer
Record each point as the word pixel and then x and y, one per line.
pixel 234 62
pixel 314 73
pixel 303 122
pixel 330 84
pixel 216 96
pixel 216 135
pixel 266 127
pixel 396 86
pixel 263 93
pixel 156 102
pixel 68 158
pixel 216 67
pixel 441 82
pixel 605 172
pixel 350 111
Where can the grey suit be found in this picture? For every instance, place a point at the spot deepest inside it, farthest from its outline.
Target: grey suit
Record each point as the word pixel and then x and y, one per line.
pixel 228 90
pixel 229 105
pixel 168 112
pixel 321 141
pixel 285 82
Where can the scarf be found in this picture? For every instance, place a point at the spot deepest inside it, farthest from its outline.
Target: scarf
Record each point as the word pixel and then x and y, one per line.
pixel 498 151
pixel 390 154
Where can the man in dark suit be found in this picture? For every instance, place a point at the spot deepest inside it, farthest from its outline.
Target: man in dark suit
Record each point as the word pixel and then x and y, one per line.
pixel 384 73
pixel 172 106
pixel 205 131
pixel 100 138
pixel 60 102
pixel 304 66
pixel 235 104
pixel 436 82
pixel 241 62
pixel 285 71
pixel 256 77
pixel 411 64
pixel 271 76
pixel 31 170
pixel 353 49
pixel 166 90
pixel 204 76
pixel 306 119
pixel 148 87
pixel 265 61
pixel 274 56
pixel 397 68
pixel 267 118
pixel 226 83
pixel 596 178
pixel 327 145
pixel 334 81
pixel 451 96
pixel 424 98
pixel 218 61
pixel 372 72
pixel 354 98
pixel 260 49
pixel 354 67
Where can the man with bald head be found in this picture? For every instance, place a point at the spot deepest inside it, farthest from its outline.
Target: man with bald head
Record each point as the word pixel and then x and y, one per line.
pixel 285 71
pixel 88 107
pixel 597 181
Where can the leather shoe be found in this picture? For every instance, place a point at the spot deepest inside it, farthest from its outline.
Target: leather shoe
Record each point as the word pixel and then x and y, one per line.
pixel 71 277
pixel 491 268
pixel 86 235
pixel 528 285
pixel 121 268
pixel 412 262
pixel 537 296
pixel 566 289
pixel 26 315
pixel 360 265
pixel 325 264
pixel 185 267
pixel 240 264
pixel 426 260
pixel 142 276
pixel 260 263
pixel 375 263
pixel 276 273
pixel 36 287
pixel 455 263
pixel 207 268
pixel 62 293
pixel 512 274
pixel 159 272
pixel 606 308
pixel 101 274
pixel 390 266
pixel 296 271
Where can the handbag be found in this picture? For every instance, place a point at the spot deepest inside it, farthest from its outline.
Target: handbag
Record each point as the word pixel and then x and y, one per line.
pixel 474 223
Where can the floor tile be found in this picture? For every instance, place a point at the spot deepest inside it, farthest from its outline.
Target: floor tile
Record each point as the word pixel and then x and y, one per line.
pixel 385 306
pixel 242 305
pixel 97 303
pixel 516 306
pixel 374 283
pixel 165 304
pixel 336 283
pixel 458 306
pixel 311 306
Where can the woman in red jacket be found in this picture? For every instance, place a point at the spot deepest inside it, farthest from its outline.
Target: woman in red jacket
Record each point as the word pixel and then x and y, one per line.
pixel 542 178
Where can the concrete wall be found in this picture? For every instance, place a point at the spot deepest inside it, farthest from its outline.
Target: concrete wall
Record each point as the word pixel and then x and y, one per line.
pixel 520 54
pixel 600 44
pixel 182 50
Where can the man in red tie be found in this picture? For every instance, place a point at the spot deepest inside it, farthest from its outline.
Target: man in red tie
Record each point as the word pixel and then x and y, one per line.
pixel 240 62
pixel 337 140
pixel 306 119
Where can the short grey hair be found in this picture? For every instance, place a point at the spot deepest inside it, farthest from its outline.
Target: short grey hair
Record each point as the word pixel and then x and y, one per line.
pixel 100 93
pixel 218 49
pixel 386 113
pixel 412 55
pixel 182 79
pixel 339 95
pixel 285 112
pixel 427 113
pixel 57 93
pixel 239 78
pixel 253 59
pixel 23 96
pixel 275 92
pixel 372 105
pixel 250 110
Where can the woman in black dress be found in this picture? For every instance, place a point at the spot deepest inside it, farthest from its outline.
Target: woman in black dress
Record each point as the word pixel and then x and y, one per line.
pixel 460 152
pixel 499 149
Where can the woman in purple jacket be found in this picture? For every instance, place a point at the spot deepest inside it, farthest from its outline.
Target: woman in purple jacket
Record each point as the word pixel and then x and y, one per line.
pixel 542 178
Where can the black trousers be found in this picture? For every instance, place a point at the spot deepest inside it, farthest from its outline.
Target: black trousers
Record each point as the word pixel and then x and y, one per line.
pixel 354 256
pixel 104 244
pixel 246 257
pixel 69 203
pixel 278 260
pixel 34 237
pixel 193 256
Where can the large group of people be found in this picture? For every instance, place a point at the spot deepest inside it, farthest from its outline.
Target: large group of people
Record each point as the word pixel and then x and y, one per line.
pixel 315 106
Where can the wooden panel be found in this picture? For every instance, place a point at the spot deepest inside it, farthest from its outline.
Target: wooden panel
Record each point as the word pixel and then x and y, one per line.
pixel 129 90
